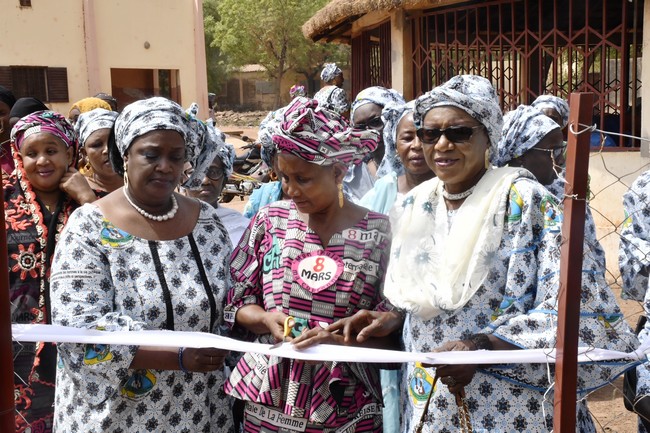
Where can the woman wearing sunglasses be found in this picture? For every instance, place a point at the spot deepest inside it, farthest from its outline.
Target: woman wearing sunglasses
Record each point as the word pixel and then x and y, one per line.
pixel 474 263
pixel 532 140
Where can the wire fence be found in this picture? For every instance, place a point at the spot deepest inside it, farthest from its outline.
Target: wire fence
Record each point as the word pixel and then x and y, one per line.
pixel 611 175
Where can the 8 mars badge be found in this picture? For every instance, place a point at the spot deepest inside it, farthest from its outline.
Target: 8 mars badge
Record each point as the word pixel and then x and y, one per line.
pixel 317 270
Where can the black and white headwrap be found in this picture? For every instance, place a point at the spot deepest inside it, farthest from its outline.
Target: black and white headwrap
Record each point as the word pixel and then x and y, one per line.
pixel 92 121
pixel 329 72
pixel 392 114
pixel 553 102
pixel 523 129
pixel 473 94
pixel 202 144
pixel 376 95
pixel 226 151
pixel 268 127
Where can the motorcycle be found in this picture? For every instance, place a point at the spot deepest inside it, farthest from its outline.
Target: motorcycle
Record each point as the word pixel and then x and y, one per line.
pixel 249 171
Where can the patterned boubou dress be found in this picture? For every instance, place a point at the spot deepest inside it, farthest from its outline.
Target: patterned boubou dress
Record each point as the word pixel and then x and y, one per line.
pixel 32 233
pixel 105 278
pixel 634 261
pixel 517 302
pixel 280 264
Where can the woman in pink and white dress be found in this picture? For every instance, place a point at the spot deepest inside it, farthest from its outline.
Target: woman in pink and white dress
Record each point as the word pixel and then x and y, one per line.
pixel 317 258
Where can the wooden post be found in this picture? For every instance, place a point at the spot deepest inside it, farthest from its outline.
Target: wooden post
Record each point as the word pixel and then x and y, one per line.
pixel 573 229
pixel 7 409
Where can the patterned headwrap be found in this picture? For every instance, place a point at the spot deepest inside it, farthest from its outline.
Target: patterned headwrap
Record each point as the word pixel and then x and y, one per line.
pixel 558 104
pixel 268 126
pixel 44 121
pixel 473 94
pixel 88 104
pixel 225 151
pixel 297 90
pixel 376 95
pixel 329 72
pixel 92 121
pixel 392 114
pixel 202 143
pixel 523 129
pixel 320 136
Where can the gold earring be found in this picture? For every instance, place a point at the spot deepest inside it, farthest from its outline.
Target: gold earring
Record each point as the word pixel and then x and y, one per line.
pixel 126 177
pixel 487 159
pixel 341 195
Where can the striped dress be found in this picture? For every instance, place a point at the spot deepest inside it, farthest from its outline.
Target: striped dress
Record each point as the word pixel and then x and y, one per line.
pixel 281 265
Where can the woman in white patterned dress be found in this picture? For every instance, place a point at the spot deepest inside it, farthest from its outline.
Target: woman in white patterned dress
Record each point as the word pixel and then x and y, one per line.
pixel 141 258
pixel 475 265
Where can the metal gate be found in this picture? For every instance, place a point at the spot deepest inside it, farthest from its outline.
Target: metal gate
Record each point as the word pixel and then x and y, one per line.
pixel 371 62
pixel 532 47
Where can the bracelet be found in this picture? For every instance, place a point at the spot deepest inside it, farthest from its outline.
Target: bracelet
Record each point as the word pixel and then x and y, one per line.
pixel 481 342
pixel 180 359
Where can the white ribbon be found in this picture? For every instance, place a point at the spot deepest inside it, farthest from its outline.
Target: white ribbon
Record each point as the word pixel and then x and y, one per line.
pixel 323 352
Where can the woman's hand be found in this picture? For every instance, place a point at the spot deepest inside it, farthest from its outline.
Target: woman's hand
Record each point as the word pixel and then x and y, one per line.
pixel 76 186
pixel 456 377
pixel 204 359
pixel 274 322
pixel 365 324
pixel 318 335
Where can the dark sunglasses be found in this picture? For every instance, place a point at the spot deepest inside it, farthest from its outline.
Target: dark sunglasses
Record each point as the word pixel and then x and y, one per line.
pixel 214 173
pixel 374 123
pixel 556 152
pixel 456 134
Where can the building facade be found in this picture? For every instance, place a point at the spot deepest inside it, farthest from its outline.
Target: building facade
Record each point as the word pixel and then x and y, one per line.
pixel 65 50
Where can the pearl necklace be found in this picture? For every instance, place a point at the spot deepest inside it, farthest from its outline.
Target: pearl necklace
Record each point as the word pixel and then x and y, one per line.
pixel 169 215
pixel 459 196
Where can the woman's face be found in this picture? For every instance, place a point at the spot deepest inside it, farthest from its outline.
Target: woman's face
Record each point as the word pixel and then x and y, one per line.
pixel 409 147
pixel 368 116
pixel 458 164
pixel 313 188
pixel 96 150
pixel 212 184
pixel 45 160
pixel 154 164
pixel 541 159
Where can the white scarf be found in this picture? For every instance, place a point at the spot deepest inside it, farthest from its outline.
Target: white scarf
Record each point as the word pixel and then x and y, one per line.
pixel 434 268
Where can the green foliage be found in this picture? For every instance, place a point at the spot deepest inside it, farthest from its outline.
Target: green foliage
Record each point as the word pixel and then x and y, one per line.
pixel 215 60
pixel 268 32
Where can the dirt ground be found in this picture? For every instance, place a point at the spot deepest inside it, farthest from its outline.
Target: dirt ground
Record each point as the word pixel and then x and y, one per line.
pixel 606 404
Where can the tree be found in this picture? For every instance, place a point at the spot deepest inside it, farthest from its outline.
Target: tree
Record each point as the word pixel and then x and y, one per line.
pixel 267 32
pixel 215 61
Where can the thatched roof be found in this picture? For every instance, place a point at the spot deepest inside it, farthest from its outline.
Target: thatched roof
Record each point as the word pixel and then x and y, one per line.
pixel 341 13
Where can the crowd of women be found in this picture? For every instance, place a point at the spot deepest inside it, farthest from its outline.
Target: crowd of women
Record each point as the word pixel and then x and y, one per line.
pixel 428 225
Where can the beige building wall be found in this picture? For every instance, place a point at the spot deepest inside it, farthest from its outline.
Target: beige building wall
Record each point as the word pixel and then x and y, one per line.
pixel 611 174
pixel 89 37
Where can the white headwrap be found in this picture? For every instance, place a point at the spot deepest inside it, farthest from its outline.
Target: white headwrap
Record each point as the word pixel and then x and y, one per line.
pixel 554 103
pixel 329 72
pixel 92 121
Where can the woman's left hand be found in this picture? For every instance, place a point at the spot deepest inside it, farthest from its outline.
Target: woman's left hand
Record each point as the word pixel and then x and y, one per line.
pixel 76 186
pixel 318 335
pixel 456 377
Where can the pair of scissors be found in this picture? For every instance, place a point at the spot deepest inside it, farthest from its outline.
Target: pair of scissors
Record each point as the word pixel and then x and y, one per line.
pixel 289 323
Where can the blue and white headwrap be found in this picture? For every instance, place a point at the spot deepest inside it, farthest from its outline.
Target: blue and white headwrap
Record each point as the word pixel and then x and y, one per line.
pixel 553 102
pixel 392 114
pixel 523 129
pixel 269 127
pixel 329 72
